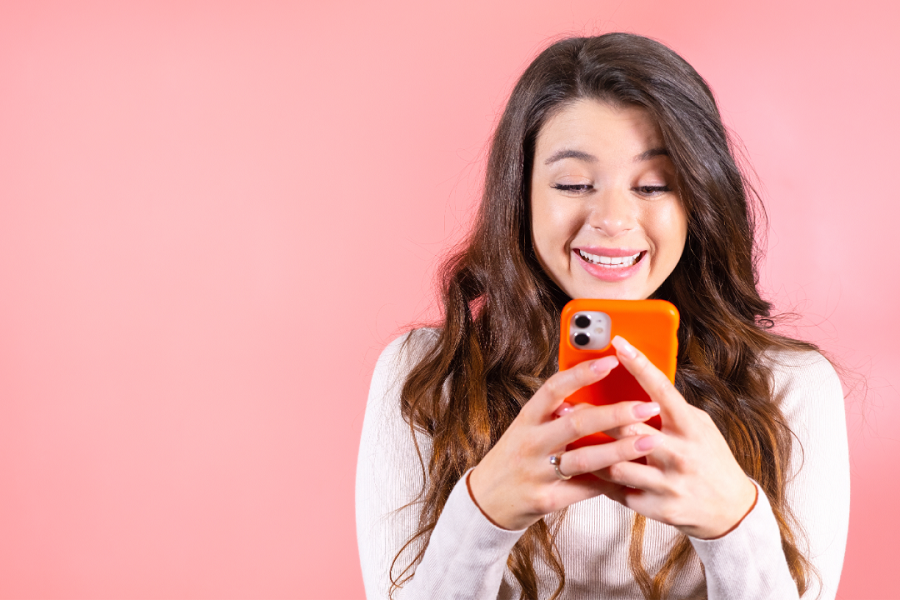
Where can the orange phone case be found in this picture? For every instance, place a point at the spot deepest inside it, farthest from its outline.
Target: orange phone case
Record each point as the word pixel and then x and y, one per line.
pixel 651 326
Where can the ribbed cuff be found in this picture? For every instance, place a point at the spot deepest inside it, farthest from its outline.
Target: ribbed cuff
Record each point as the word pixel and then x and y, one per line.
pixel 747 562
pixel 467 553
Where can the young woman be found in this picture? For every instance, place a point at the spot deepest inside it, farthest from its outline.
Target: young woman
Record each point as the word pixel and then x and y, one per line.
pixel 610 176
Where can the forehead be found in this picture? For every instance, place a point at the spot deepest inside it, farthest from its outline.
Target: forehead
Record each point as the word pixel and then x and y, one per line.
pixel 595 126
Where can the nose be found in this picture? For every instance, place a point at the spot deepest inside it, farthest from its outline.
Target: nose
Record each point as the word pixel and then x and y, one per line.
pixel 613 212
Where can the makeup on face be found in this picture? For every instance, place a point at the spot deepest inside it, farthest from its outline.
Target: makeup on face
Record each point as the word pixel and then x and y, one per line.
pixel 607 221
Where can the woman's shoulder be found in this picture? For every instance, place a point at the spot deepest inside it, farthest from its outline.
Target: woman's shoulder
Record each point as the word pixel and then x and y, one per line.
pixel 402 354
pixel 407 349
pixel 792 361
pixel 797 364
pixel 803 379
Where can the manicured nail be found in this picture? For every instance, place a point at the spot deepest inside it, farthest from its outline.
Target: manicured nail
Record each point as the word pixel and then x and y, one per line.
pixel 647 443
pixel 602 365
pixel 645 410
pixel 564 409
pixel 624 348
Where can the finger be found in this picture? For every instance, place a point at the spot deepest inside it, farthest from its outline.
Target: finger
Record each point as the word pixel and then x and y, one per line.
pixel 667 456
pixel 563 384
pixel 587 419
pixel 674 408
pixel 631 430
pixel 633 475
pixel 563 409
pixel 591 459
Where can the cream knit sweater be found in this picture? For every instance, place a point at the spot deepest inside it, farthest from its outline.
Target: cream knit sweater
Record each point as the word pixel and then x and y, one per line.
pixel 466 556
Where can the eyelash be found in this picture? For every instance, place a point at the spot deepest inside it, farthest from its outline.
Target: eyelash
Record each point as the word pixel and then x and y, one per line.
pixel 577 187
pixel 653 189
pixel 584 187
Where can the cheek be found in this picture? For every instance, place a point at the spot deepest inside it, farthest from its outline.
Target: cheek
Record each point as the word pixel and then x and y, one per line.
pixel 669 225
pixel 553 224
pixel 682 227
pixel 541 226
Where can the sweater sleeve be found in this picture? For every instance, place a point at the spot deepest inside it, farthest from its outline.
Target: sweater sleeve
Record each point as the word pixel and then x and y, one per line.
pixel 466 554
pixel 749 561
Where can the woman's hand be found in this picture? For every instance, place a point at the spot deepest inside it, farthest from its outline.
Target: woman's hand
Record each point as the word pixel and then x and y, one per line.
pixel 691 480
pixel 515 484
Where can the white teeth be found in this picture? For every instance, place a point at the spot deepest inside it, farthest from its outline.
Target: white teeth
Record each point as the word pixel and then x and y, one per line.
pixel 618 261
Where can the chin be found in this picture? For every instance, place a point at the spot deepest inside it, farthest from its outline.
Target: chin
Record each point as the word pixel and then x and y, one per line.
pixel 610 292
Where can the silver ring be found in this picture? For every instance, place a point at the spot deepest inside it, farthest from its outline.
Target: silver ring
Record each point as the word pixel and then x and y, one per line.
pixel 554 460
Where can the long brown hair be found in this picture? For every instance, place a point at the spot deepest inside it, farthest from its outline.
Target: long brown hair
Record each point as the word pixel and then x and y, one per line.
pixel 498 340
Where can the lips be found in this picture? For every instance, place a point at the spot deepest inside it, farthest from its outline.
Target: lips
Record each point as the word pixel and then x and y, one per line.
pixel 610 264
pixel 610 261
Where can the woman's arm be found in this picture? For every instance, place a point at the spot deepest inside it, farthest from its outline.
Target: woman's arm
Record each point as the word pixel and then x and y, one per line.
pixel 819 487
pixel 818 492
pixel 466 555
pixel 387 474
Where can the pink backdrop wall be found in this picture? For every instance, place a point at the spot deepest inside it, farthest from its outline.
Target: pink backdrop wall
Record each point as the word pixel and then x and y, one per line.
pixel 213 215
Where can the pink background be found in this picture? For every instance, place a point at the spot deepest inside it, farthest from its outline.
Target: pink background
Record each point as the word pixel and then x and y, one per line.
pixel 213 215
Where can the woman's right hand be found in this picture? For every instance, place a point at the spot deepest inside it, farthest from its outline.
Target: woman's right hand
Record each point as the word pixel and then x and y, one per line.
pixel 515 484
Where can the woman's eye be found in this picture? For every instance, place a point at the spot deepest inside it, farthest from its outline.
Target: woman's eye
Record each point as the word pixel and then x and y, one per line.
pixel 652 190
pixel 573 187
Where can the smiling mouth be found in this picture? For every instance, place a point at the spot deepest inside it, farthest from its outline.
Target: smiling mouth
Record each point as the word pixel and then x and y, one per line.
pixel 611 261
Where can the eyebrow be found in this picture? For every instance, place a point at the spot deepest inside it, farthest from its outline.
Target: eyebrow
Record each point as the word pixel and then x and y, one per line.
pixel 652 152
pixel 561 154
pixel 584 156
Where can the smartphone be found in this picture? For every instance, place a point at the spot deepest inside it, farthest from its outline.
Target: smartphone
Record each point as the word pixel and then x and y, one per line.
pixel 588 326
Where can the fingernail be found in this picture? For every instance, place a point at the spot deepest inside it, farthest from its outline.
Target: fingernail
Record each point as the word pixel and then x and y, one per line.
pixel 647 443
pixel 602 365
pixel 624 348
pixel 564 409
pixel 645 410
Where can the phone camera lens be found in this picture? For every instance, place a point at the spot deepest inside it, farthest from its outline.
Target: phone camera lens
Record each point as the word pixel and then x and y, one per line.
pixel 582 321
pixel 582 339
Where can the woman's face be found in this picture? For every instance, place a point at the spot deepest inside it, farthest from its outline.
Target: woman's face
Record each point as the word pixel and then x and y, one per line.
pixel 606 219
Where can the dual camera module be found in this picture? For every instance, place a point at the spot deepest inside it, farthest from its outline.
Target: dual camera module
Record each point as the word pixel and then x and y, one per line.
pixel 590 330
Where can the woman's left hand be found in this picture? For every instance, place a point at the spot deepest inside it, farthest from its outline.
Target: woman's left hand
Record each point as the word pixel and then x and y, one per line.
pixel 691 480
